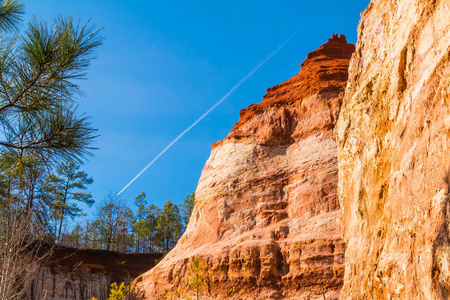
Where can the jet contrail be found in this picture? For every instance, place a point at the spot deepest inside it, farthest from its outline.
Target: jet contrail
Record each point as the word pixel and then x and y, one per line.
pixel 211 109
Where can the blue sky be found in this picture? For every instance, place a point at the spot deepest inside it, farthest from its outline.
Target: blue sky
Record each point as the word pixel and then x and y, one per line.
pixel 164 63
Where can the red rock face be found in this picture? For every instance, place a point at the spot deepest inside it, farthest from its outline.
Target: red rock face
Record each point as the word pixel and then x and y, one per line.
pixel 266 218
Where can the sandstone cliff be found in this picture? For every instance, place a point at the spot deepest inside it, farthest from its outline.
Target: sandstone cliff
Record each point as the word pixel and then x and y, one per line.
pixel 394 153
pixel 266 218
pixel 73 274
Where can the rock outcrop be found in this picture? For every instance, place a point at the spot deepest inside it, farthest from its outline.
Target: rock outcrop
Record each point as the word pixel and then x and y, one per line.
pixel 266 221
pixel 394 153
pixel 74 274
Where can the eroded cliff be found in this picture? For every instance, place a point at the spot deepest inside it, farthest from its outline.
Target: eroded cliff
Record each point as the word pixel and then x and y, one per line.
pixel 393 139
pixel 74 274
pixel 266 219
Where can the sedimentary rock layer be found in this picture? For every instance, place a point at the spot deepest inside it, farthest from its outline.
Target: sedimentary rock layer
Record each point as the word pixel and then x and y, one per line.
pixel 75 274
pixel 394 158
pixel 266 219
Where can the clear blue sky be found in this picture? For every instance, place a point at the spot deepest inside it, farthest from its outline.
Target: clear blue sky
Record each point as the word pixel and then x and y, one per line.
pixel 164 63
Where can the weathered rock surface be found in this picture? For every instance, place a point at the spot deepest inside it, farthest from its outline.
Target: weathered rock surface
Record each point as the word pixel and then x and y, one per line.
pixel 266 218
pixel 394 153
pixel 82 274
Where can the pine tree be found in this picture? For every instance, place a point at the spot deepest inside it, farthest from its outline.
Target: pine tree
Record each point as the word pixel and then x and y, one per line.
pixel 151 227
pixel 139 223
pixel 64 188
pixel 37 113
pixel 39 127
pixel 170 225
pixel 187 207
pixel 198 277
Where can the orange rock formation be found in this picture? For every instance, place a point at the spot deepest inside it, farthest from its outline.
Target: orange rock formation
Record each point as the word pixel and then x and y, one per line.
pixel 394 153
pixel 266 218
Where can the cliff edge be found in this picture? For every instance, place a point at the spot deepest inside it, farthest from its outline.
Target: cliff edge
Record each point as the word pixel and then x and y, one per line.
pixel 266 221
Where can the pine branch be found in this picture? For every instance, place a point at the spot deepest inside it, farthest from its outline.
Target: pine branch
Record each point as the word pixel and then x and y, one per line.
pixel 11 12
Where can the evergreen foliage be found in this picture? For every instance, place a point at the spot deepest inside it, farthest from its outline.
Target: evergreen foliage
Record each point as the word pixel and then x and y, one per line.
pixel 116 227
pixel 63 187
pixel 39 122
pixel 39 130
pixel 44 141
pixel 170 225
pixel 187 207
pixel 198 278
pixel 145 225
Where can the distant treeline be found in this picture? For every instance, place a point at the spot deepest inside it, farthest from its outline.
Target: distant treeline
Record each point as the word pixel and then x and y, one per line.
pixel 51 197
pixel 146 229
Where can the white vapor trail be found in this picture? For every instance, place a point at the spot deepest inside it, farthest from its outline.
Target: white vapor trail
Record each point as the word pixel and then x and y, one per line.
pixel 210 110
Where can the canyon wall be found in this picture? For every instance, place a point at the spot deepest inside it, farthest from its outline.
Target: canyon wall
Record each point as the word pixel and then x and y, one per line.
pixel 266 221
pixel 394 158
pixel 74 274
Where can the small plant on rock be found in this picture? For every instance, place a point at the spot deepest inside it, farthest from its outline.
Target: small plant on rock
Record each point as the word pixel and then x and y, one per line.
pixel 198 277
pixel 123 291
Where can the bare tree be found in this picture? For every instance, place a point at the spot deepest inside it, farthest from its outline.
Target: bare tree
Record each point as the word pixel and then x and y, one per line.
pixel 20 252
